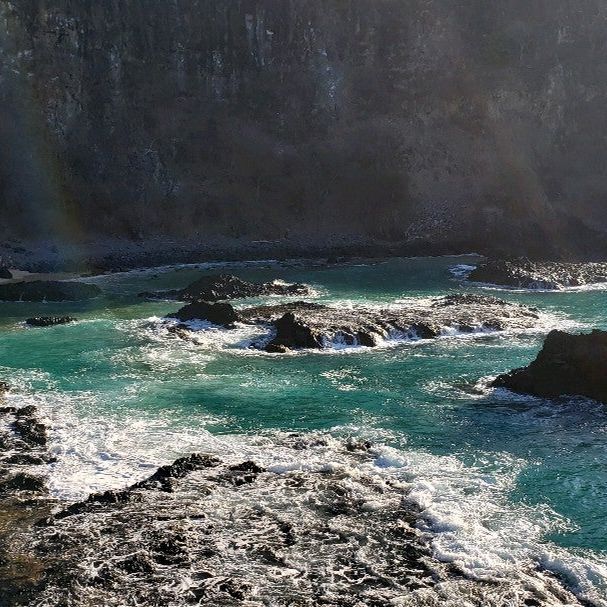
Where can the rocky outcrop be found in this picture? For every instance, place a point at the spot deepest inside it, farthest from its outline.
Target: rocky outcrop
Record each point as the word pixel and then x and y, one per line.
pixel 471 125
pixel 527 274
pixel 48 290
pixel 309 325
pixel 49 321
pixel 567 365
pixel 218 287
pixel 5 273
pixel 217 313
pixel 304 325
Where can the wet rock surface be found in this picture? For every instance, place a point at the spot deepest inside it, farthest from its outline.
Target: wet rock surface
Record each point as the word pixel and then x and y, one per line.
pixel 23 500
pixel 232 532
pixel 217 313
pixel 302 324
pixel 48 290
pixel 49 321
pixel 567 365
pixel 220 287
pixel 527 274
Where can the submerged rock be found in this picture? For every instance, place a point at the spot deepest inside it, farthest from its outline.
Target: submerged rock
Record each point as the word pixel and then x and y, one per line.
pixel 216 313
pixel 567 365
pixel 527 274
pixel 48 290
pixel 49 321
pixel 218 287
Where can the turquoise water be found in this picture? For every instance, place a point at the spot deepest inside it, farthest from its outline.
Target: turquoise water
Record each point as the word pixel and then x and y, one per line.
pixel 123 396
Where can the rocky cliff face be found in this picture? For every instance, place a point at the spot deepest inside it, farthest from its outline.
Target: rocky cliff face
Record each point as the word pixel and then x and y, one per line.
pixel 477 125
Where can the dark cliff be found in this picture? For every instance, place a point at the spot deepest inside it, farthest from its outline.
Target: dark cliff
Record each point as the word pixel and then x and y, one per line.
pixel 467 125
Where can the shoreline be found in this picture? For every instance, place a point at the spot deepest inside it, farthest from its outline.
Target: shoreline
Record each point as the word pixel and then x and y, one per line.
pixel 113 256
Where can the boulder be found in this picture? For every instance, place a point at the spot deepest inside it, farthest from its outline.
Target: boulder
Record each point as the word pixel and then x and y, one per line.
pixel 216 313
pixel 5 273
pixel 49 321
pixel 48 290
pixel 293 332
pixel 567 365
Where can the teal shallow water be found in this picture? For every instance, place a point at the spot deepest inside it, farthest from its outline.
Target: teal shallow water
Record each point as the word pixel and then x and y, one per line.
pixel 134 397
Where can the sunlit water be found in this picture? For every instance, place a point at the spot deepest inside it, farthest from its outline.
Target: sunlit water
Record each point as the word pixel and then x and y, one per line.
pixel 501 479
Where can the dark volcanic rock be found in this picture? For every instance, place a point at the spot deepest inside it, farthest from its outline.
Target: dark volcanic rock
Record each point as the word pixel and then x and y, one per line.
pixel 309 325
pixel 162 478
pixel 48 290
pixel 5 273
pixel 217 313
pixel 567 365
pixel 31 431
pixel 527 274
pixel 218 287
pixel 49 321
pixel 21 482
pixel 230 528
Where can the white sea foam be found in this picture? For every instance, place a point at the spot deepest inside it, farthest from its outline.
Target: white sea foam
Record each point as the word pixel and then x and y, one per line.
pixel 463 510
pixel 462 270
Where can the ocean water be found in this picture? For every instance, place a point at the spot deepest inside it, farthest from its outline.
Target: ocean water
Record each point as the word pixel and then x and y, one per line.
pixel 502 481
